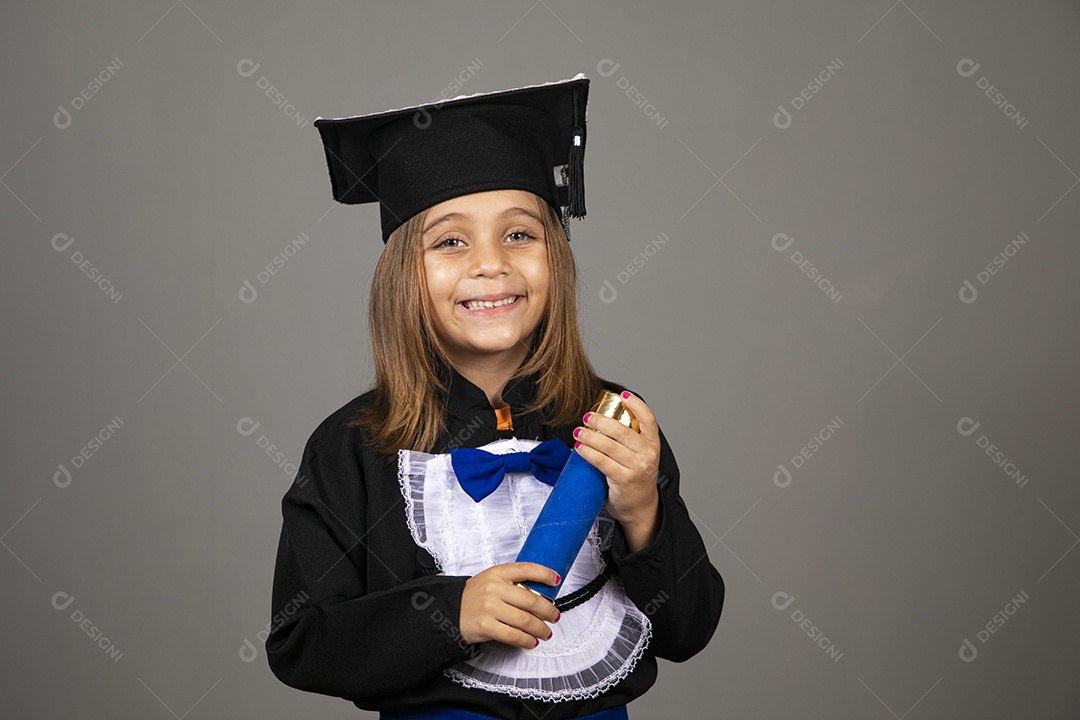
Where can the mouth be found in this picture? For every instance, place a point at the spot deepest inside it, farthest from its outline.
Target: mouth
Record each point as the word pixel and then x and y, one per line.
pixel 490 305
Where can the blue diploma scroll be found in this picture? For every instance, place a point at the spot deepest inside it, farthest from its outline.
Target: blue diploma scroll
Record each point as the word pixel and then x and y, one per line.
pixel 564 522
pixel 571 509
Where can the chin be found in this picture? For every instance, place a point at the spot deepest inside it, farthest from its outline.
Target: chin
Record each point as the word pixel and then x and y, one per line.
pixel 493 348
pixel 491 345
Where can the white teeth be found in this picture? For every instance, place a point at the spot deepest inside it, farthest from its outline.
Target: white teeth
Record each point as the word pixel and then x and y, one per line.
pixel 479 304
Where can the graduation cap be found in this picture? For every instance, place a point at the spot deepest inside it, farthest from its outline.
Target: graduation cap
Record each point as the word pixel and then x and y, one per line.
pixel 529 138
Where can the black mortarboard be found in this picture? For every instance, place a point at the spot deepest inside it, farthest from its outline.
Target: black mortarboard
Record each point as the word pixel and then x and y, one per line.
pixel 529 138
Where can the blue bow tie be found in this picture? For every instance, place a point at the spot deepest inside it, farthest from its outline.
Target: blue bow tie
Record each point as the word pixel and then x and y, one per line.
pixel 480 472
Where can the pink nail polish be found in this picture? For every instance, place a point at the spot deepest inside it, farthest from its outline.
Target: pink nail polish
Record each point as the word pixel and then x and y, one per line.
pixel 577 431
pixel 537 642
pixel 586 418
pixel 625 394
pixel 551 634
pixel 577 445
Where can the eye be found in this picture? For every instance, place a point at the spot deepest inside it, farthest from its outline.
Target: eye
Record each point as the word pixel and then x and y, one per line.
pixel 446 240
pixel 523 235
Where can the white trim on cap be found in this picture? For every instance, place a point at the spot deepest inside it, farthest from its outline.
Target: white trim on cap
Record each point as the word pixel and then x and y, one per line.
pixel 579 76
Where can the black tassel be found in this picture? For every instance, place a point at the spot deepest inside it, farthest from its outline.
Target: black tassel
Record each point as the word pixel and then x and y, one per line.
pixel 576 170
pixel 576 176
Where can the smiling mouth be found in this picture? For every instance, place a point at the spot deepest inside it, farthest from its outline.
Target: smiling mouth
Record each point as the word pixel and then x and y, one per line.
pixel 489 304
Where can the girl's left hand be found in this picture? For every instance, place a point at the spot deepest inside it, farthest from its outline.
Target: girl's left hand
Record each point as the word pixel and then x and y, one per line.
pixel 630 460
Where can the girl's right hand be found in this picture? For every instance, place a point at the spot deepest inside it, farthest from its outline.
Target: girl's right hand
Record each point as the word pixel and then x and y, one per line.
pixel 494 608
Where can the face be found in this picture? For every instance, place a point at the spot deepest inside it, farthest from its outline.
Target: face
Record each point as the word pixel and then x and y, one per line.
pixel 486 246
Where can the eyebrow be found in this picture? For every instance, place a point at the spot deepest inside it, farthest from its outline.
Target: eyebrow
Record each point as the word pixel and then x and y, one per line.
pixel 508 212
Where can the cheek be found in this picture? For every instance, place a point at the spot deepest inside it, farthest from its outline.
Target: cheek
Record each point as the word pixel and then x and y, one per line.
pixel 540 285
pixel 440 282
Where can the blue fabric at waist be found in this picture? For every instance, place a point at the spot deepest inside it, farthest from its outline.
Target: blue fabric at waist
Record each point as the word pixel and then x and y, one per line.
pixel 437 712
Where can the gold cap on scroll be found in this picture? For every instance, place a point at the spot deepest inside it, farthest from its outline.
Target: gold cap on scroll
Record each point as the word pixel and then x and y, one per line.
pixel 610 405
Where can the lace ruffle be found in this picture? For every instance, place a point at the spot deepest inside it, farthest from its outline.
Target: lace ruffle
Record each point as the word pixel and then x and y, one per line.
pixel 595 644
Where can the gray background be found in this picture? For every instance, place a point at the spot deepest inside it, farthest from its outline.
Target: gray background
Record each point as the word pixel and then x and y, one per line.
pixel 899 179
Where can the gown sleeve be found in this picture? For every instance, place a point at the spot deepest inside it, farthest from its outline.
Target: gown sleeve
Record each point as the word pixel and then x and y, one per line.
pixel 330 634
pixel 672 580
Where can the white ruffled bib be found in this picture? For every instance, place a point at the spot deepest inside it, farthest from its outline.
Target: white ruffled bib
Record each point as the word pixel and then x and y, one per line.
pixel 595 644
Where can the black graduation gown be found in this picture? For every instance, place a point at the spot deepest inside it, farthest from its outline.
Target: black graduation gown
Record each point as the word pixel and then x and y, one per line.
pixel 356 616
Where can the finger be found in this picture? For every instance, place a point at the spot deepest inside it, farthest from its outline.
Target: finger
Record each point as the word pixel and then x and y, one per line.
pixel 611 447
pixel 599 460
pixel 522 628
pixel 610 427
pixel 537 605
pixel 627 442
pixel 637 441
pixel 646 420
pixel 525 621
pixel 636 456
pixel 517 571
pixel 527 599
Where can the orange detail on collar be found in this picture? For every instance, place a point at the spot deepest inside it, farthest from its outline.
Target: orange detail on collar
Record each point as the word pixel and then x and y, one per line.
pixel 503 416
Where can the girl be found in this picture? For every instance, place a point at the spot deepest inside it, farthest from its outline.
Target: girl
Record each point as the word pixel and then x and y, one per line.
pixel 396 585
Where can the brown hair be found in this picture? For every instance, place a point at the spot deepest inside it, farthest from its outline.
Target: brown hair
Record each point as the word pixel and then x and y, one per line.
pixel 407 411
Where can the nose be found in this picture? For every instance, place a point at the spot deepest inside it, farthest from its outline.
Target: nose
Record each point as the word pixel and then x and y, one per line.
pixel 489 257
